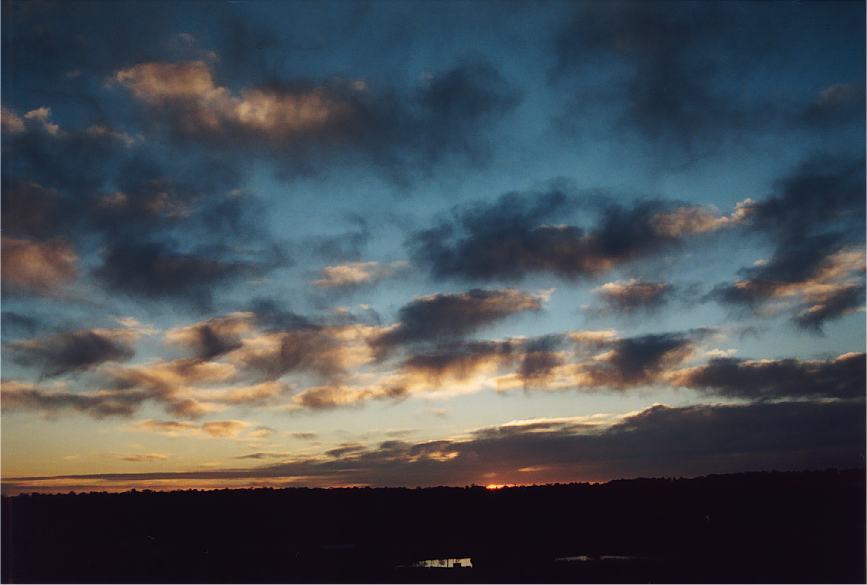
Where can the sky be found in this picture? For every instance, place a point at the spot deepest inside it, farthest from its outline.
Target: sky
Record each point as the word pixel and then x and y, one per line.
pixel 429 243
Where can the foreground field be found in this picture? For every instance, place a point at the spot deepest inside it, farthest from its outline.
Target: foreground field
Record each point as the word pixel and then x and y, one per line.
pixel 758 527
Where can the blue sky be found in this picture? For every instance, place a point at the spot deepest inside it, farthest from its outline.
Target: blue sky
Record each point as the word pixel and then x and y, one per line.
pixel 291 243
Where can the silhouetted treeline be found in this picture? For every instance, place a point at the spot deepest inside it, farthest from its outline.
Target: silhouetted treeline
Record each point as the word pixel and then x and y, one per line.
pixel 756 527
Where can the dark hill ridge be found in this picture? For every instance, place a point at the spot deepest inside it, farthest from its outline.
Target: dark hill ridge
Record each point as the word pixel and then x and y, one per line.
pixel 751 527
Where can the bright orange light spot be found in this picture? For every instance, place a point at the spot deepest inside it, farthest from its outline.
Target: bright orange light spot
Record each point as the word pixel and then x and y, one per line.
pixel 495 486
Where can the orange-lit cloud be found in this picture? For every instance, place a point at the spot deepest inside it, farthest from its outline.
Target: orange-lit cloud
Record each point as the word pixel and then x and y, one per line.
pixel 11 122
pixel 213 337
pixel 694 220
pixel 658 439
pixel 356 273
pixel 203 106
pixel 836 287
pixel 40 268
pixel 217 429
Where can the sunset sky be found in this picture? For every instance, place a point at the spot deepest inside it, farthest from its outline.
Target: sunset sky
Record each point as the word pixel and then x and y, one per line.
pixel 434 243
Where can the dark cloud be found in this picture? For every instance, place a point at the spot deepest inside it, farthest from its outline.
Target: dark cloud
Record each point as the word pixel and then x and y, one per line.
pixel 836 105
pixel 348 246
pixel 73 351
pixel 458 358
pixel 681 77
pixel 265 455
pixel 667 60
pixel 842 377
pixel 515 235
pixel 467 92
pixel 157 271
pixel 822 192
pixel 314 350
pixel 95 187
pixel 640 360
pixel 660 440
pixel 301 123
pixel 454 315
pixel 633 295
pixel 846 299
pixel 540 356
pixel 214 337
pixel 18 324
pixel 815 221
pixel 345 449
pixel 579 360
pixel 29 209
pixel 270 315
pixel 99 405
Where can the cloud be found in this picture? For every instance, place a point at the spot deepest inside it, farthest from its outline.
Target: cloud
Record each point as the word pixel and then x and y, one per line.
pixel 29 209
pixel 254 395
pixel 345 449
pixel 300 123
pixel 630 296
pixel 693 220
pixel 18 323
pixel 657 441
pixel 681 78
pixel 619 363
pixel 218 429
pixel 345 246
pixel 835 105
pixel 265 455
pixel 639 360
pixel 160 226
pixel 173 384
pixel 664 83
pixel 178 386
pixel 815 220
pixel 155 270
pixel 40 268
pixel 842 377
pixel 99 404
pixel 840 301
pixel 143 457
pixel 261 432
pixel 454 315
pixel 305 436
pixel 11 122
pixel 74 351
pixel 815 279
pixel 820 192
pixel 42 117
pixel 224 428
pixel 512 237
pixel 460 360
pixel 340 396
pixel 214 337
pixel 327 351
pixel 354 274
pixel 578 360
pixel 204 107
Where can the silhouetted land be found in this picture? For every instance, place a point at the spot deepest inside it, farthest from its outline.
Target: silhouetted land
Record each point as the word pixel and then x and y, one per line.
pixel 757 527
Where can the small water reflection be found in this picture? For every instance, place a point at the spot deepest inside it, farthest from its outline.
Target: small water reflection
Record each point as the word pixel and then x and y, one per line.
pixel 453 563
